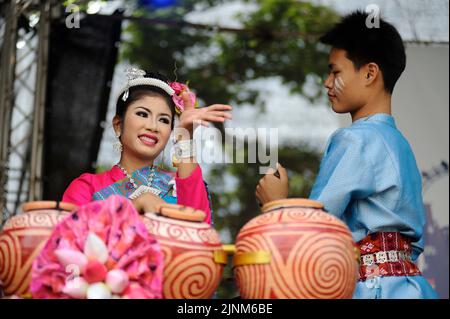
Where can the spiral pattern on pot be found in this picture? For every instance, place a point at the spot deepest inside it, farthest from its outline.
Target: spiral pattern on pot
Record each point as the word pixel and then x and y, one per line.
pixel 9 259
pixel 189 276
pixel 251 280
pixel 38 218
pixel 21 240
pixel 188 250
pixel 324 267
pixel 311 257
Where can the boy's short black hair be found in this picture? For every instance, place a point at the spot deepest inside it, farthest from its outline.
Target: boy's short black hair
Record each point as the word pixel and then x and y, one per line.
pixel 383 45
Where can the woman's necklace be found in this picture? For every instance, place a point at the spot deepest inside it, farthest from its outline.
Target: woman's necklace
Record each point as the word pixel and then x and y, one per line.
pixel 143 188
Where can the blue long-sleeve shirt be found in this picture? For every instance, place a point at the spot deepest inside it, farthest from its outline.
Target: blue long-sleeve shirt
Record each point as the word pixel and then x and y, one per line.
pixel 369 178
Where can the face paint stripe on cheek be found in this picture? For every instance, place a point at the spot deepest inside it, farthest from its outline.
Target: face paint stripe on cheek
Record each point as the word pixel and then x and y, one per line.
pixel 338 85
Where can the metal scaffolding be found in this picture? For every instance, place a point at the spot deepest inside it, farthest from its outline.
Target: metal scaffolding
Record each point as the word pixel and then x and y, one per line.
pixel 24 40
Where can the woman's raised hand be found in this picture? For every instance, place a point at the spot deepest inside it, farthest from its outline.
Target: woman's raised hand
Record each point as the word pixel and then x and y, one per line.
pixel 203 116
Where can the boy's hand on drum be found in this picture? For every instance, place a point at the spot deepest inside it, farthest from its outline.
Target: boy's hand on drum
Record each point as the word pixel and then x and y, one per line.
pixel 271 187
pixel 203 115
pixel 147 203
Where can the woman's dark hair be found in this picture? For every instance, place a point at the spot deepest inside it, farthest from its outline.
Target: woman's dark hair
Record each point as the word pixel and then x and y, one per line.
pixel 364 44
pixel 138 91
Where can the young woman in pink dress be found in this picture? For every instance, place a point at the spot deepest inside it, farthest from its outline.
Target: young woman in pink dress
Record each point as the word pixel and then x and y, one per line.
pixel 144 120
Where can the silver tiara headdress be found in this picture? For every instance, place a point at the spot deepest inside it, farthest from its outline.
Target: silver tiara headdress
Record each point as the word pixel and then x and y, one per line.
pixel 137 77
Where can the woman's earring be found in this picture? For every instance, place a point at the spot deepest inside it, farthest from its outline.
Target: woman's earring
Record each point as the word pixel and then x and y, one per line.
pixel 117 146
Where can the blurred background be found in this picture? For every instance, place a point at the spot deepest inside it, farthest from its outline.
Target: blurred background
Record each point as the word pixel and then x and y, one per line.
pixel 62 64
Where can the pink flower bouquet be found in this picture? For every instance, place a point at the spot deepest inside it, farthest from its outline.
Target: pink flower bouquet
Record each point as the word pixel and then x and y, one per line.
pixel 101 251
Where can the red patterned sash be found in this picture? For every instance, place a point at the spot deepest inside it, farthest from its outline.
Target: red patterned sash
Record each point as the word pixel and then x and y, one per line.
pixel 386 254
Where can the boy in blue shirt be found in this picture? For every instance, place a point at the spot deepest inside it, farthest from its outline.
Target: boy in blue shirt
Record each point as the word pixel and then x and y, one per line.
pixel 368 176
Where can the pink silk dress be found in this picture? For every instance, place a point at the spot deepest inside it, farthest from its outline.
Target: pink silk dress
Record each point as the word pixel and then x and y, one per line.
pixel 191 191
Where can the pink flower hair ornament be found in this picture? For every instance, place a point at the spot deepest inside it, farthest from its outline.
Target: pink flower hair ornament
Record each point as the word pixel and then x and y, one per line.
pixel 174 89
pixel 177 97
pixel 101 251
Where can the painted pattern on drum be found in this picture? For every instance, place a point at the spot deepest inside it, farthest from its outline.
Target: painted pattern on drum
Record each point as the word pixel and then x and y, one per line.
pixel 17 266
pixel 308 215
pixel 264 219
pixel 9 257
pixel 253 278
pixel 281 218
pixel 289 214
pixel 40 218
pixel 319 262
pixel 23 237
pixel 327 269
pixel 188 250
pixel 189 276
pixel 182 231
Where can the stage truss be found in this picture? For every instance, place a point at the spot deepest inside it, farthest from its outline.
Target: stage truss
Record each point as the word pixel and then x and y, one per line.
pixel 24 34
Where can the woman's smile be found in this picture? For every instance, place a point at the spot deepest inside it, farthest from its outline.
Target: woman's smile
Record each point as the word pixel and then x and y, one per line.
pixel 148 139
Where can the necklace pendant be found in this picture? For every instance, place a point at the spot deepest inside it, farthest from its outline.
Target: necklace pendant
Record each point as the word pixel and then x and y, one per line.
pixel 144 189
pixel 141 189
pixel 154 191
pixel 149 189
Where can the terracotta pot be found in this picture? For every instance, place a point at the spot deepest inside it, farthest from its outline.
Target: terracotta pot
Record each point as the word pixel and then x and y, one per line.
pixel 193 255
pixel 295 250
pixel 22 238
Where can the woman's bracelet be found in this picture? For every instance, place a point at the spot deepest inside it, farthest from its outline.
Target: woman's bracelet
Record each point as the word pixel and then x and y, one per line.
pixel 185 149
